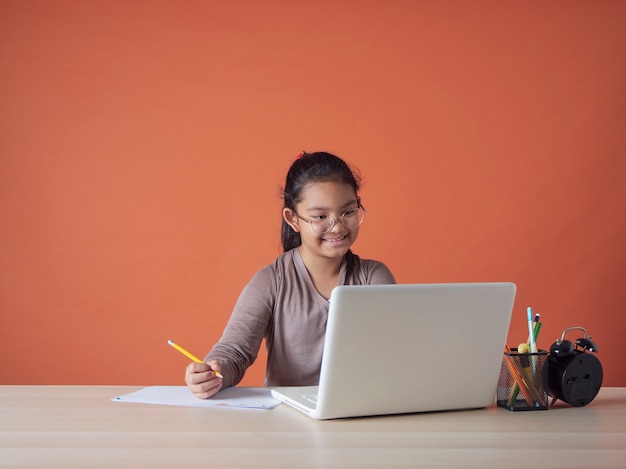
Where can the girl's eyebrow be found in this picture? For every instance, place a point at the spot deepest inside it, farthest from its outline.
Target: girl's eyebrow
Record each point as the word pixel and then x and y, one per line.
pixel 346 205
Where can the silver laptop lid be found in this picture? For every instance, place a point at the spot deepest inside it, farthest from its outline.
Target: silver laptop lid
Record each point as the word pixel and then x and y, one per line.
pixel 413 348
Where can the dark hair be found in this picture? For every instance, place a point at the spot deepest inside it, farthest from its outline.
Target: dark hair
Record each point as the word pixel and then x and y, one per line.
pixel 311 167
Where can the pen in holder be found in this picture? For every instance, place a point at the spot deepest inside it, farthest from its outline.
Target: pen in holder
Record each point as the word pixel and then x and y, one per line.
pixel 521 383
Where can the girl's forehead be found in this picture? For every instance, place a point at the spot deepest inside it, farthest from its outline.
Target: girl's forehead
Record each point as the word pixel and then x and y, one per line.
pixel 327 193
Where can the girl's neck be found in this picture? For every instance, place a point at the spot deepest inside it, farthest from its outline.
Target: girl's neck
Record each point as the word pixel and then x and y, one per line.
pixel 324 273
pixel 319 266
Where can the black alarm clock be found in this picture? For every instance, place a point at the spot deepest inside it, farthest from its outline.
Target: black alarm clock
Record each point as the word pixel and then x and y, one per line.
pixel 574 376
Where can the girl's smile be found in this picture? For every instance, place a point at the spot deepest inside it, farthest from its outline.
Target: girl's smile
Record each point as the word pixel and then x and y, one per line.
pixel 336 242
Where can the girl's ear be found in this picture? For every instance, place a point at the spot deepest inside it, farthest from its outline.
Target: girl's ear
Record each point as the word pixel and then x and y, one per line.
pixel 291 219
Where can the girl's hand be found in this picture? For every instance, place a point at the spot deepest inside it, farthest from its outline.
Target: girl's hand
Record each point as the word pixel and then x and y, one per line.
pixel 201 379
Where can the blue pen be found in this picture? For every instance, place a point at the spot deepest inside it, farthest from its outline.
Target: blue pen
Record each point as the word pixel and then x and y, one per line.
pixel 531 332
pixel 533 343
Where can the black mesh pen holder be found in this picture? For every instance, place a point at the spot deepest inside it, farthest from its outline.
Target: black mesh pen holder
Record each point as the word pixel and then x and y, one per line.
pixel 521 382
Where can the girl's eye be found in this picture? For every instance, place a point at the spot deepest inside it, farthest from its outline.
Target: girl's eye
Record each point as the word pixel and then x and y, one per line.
pixel 319 217
pixel 350 213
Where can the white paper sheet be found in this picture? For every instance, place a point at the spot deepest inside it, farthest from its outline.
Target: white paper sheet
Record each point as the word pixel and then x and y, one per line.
pixel 237 397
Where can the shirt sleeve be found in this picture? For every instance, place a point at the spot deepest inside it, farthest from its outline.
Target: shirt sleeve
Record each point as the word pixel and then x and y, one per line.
pixel 380 274
pixel 239 345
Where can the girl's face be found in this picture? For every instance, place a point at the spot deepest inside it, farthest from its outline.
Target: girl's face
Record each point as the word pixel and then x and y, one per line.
pixel 324 201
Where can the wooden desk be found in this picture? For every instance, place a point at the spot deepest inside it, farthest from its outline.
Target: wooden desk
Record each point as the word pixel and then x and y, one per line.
pixel 79 426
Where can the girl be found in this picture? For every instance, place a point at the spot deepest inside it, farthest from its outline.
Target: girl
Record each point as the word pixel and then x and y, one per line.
pixel 286 302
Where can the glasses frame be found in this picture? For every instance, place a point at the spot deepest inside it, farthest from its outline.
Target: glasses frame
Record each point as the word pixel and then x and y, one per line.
pixel 332 220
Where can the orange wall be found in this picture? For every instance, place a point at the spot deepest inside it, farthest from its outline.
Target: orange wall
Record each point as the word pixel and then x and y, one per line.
pixel 143 144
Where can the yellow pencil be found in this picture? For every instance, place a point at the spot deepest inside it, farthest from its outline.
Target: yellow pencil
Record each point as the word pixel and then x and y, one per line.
pixel 191 356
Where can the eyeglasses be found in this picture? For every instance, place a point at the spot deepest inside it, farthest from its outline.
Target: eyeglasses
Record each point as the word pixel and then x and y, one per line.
pixel 323 223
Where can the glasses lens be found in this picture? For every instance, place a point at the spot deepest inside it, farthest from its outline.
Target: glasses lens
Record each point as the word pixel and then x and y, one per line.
pixel 322 226
pixel 353 218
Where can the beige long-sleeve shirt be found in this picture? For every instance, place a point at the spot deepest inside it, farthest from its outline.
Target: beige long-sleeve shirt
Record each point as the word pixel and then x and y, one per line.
pixel 281 304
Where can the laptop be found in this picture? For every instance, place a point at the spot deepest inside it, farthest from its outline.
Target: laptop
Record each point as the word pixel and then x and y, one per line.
pixel 393 349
